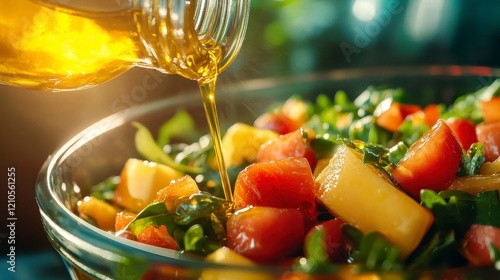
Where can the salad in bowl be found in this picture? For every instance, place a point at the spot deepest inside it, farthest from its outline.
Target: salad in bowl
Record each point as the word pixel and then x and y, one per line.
pixel 332 184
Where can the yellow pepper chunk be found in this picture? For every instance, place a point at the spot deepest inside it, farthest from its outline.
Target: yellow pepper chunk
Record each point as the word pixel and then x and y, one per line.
pixel 241 143
pixel 100 211
pixel 362 196
pixel 140 181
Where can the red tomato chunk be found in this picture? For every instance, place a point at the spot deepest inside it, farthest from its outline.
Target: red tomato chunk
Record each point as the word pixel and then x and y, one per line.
pixel 266 234
pixel 431 162
pixel 477 242
pixel 286 183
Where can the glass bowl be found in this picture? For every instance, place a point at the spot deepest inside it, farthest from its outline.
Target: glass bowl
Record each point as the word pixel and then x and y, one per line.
pixel 101 150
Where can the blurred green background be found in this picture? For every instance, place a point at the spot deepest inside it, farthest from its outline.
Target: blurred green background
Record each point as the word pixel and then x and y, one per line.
pixel 301 36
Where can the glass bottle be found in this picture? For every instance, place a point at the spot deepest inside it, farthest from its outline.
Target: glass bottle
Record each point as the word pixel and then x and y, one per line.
pixel 57 45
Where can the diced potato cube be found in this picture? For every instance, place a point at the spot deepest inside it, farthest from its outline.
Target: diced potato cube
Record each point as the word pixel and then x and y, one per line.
pixel 362 196
pixel 98 210
pixel 242 142
pixel 140 181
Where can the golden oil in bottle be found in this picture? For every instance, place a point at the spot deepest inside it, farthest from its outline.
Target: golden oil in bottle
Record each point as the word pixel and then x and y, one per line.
pixel 48 47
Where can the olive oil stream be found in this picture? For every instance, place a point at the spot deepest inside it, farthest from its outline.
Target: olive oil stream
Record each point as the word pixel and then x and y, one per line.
pixel 51 49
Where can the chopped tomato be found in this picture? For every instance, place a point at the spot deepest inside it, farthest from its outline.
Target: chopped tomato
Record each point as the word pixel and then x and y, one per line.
pixel 489 136
pixel 122 219
pixel 428 115
pixel 291 144
pixel 286 183
pixel 289 117
pixel 432 113
pixel 392 118
pixel 184 186
pixel 464 130
pixel 335 243
pixel 475 246
pixel 277 122
pixel 157 236
pixel 431 162
pixel 491 110
pixel 266 234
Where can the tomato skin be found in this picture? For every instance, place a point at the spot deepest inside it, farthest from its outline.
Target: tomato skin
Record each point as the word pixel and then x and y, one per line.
pixel 277 122
pixel 475 245
pixel 489 136
pixel 491 110
pixel 266 234
pixel 288 145
pixel 431 162
pixel 286 183
pixel 157 236
pixel 464 130
pixel 336 244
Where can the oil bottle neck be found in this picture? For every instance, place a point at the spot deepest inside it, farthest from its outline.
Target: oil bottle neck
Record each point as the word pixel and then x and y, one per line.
pixel 189 37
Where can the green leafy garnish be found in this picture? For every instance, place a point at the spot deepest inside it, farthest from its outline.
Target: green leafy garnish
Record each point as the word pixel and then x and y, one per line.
pixel 105 190
pixel 471 160
pixel 372 251
pixel 150 150
pixel 316 259
pixel 155 214
pixel 454 213
pixel 180 125
pixel 201 205
pixel 196 241
pixel 439 251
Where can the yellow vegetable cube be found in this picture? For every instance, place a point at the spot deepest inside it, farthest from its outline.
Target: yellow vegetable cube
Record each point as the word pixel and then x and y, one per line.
pixel 140 182
pixel 362 196
pixel 98 210
pixel 242 142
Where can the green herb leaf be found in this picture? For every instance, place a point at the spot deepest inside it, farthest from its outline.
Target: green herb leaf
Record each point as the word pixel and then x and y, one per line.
pixel 195 241
pixel 467 107
pixel 149 149
pixel 495 252
pixel 487 208
pixel 453 210
pixel 194 238
pixel 201 205
pixel 105 190
pixel 373 251
pixel 471 160
pixel 439 252
pixel 155 214
pixel 180 125
pixel 316 257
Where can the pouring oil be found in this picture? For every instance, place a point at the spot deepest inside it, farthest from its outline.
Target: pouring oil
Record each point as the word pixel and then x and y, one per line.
pixel 52 49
